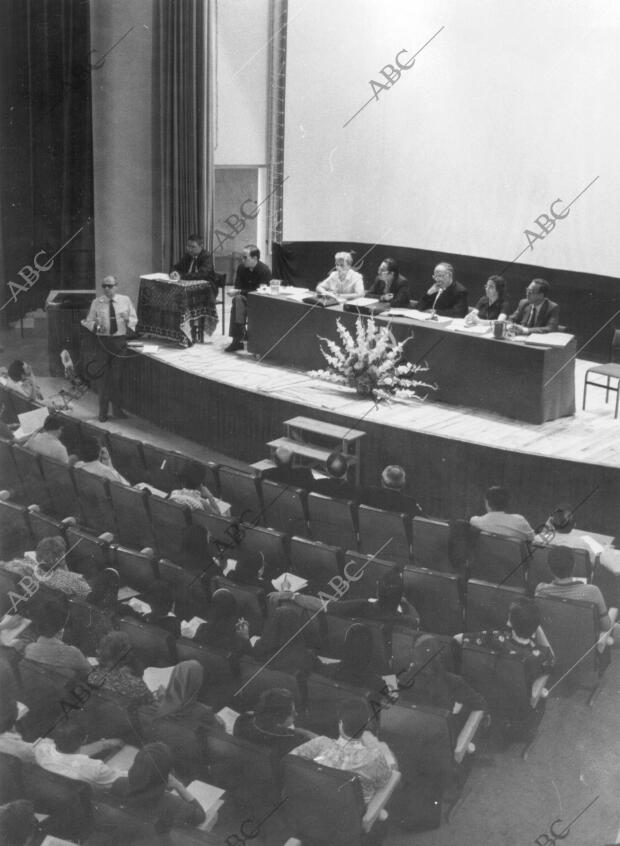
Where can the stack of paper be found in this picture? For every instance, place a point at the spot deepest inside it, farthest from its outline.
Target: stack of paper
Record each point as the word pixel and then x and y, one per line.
pixel 189 628
pixel 289 582
pixel 549 339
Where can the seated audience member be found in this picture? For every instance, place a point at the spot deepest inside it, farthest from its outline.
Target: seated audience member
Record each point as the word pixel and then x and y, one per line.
pixel 354 667
pixel 223 629
pixel 11 742
pixel 197 264
pixel 96 459
pixel 49 649
pixel 251 274
pixel 288 645
pixel 22 380
pixel 117 672
pixel 494 305
pixel 193 493
pixel 67 755
pixel 427 681
pixel 536 314
pixel 249 569
pixel 6 432
pixel 391 495
pixel 17 823
pixel 562 563
pixel 177 718
pixel 159 597
pixel 47 441
pixel 146 791
pixel 497 521
pixel 272 723
pixel 355 750
pixel 561 525
pixel 286 474
pixel 518 638
pixel 390 286
pixel 103 599
pixel 336 484
pixel 445 297
pixel 343 282
pixel 53 571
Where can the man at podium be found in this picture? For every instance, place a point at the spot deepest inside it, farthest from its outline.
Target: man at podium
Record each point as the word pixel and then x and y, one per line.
pixel 196 264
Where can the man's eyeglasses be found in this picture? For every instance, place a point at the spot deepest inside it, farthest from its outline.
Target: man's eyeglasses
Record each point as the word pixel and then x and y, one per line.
pixel 108 286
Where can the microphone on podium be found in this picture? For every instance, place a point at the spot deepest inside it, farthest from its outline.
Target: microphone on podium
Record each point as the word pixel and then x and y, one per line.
pixel 433 313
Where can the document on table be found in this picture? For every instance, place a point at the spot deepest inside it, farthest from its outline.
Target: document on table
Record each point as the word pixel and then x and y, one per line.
pixel 549 339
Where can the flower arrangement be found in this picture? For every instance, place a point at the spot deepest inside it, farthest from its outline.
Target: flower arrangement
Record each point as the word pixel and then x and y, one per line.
pixel 371 362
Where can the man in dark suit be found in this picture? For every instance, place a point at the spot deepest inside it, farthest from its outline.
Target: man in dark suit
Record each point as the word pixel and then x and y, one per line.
pixel 196 263
pixel 251 274
pixel 390 286
pixel 390 496
pixel 445 297
pixel 536 314
pixel 285 474
pixel 337 484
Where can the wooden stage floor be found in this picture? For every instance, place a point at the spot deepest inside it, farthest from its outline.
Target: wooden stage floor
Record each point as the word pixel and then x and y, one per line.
pixel 590 437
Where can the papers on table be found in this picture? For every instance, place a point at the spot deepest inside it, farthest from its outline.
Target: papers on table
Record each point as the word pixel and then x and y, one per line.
pixel 158 277
pixel 228 717
pixel 414 314
pixel 550 339
pixel 288 581
pixel 210 799
pixel 363 301
pixel 459 325
pixel 50 840
pixel 30 421
pixel 594 546
pixel 156 677
pixel 189 629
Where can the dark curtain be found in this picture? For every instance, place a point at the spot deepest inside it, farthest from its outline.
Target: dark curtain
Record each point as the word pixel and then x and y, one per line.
pixel 184 65
pixel 46 151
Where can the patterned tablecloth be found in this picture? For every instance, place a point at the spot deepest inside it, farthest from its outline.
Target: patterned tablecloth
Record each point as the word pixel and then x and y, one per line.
pixel 165 308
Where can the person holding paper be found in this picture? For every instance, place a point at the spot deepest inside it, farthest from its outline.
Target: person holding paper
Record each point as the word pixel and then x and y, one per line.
pixel 343 282
pixel 390 286
pixel 446 296
pixel 112 317
pixel 536 314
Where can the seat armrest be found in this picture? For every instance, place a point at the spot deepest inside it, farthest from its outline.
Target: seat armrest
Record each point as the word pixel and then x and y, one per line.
pixel 379 800
pixel 613 615
pixel 467 734
pixel 538 688
pixel 606 637
pixel 108 537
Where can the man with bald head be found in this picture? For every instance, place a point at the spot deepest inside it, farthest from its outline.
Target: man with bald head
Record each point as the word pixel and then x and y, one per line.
pixel 391 495
pixel 446 297
pixel 286 474
pixel 111 317
pixel 336 484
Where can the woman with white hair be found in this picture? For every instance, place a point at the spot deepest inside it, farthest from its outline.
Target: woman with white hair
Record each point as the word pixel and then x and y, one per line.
pixel 343 282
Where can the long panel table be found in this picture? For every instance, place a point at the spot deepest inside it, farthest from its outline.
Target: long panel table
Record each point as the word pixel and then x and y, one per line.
pixel 534 383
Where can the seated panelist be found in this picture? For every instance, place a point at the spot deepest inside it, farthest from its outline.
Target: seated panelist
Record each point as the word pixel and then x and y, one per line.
pixel 390 286
pixel 445 297
pixel 493 306
pixel 196 264
pixel 536 314
pixel 251 274
pixel 343 282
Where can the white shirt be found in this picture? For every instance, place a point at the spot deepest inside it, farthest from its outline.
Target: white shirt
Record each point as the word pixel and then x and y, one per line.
pixel 99 314
pixel 44 443
pixel 501 523
pixel 76 766
pixel 352 283
pixel 101 469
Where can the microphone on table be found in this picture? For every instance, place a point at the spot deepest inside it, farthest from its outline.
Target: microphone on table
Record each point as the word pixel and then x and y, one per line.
pixel 433 313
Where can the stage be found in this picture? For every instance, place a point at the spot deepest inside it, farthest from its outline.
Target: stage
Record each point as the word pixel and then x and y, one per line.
pixel 236 404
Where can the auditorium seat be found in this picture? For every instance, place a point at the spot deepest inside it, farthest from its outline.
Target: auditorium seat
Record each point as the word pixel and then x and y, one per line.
pixel 136 569
pixel 15 532
pixel 365 572
pixel 429 544
pixel 32 487
pixel 18 404
pixel 241 490
pixel 608 583
pixel 336 628
pixel 487 605
pixel 538 569
pixel 500 560
pixel 126 455
pixel 219 681
pixel 250 602
pixel 285 508
pixel 66 800
pixel 316 562
pixel 272 544
pixel 132 520
pixel 169 520
pixel 436 597
pixel 11 480
pixel 43 689
pixel 95 503
pixel 153 646
pixel 376 527
pixel 502 680
pixel 403 640
pixel 8 583
pixel 325 696
pixel 11 784
pixel 332 521
pixel 86 553
pixel 325 805
pixel 62 498
pixel 44 526
pixel 256 677
pixel 162 467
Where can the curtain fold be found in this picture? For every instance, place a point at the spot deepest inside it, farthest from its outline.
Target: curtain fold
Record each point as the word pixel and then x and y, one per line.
pixel 184 67
pixel 275 142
